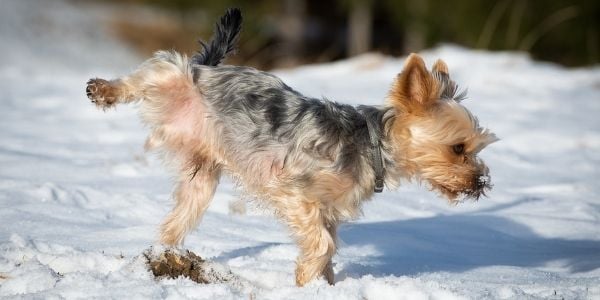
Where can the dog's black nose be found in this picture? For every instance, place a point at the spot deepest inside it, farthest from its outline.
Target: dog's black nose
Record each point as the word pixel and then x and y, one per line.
pixel 481 184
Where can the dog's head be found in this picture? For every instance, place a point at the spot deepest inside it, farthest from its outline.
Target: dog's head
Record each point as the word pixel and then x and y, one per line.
pixel 436 139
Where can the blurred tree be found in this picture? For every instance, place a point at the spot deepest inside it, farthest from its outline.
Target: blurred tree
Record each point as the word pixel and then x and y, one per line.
pixel 288 32
pixel 564 31
pixel 360 19
pixel 416 26
pixel 291 28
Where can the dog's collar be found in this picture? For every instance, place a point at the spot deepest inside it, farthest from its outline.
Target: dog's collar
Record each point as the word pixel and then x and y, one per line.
pixel 376 158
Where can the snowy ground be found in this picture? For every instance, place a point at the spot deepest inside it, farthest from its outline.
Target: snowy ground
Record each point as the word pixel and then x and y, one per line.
pixel 80 201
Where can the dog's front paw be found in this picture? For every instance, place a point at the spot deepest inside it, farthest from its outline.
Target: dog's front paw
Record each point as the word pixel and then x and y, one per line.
pixel 101 93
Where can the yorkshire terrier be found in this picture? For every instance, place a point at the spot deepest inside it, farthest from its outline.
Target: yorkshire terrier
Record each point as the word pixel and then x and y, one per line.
pixel 314 161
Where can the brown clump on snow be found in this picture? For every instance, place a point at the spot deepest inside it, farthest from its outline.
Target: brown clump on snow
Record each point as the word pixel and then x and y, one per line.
pixel 173 263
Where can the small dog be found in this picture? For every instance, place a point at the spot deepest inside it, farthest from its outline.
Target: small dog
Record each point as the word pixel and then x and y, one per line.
pixel 314 161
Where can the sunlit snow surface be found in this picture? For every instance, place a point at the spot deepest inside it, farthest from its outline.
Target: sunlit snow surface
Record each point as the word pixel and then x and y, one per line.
pixel 80 200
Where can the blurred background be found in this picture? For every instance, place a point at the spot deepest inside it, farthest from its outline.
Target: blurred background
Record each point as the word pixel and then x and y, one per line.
pixel 286 33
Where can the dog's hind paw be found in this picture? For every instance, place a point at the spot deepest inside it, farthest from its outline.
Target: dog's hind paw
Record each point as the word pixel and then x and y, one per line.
pixel 101 93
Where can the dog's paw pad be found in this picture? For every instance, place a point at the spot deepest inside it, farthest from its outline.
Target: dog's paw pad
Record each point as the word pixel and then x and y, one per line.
pixel 100 92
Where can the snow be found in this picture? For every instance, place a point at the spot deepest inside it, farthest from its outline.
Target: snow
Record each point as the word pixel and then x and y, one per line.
pixel 80 200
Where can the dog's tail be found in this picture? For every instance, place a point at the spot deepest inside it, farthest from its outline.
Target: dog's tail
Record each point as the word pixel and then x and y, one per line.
pixel 223 41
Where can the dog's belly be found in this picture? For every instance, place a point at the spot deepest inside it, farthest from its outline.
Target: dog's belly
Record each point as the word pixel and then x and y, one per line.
pixel 285 185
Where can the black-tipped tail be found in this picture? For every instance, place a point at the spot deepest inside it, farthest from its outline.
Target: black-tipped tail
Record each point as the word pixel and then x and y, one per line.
pixel 224 39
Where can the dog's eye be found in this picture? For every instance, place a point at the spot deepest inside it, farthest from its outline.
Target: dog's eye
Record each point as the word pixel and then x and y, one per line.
pixel 459 148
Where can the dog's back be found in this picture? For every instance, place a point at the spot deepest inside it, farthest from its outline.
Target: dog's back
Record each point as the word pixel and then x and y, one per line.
pixel 271 127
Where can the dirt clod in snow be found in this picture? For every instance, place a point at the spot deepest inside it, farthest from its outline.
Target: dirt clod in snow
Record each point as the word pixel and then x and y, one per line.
pixel 173 263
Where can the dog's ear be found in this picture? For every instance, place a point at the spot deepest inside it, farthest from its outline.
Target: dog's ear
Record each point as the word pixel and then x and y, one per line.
pixel 440 67
pixel 414 89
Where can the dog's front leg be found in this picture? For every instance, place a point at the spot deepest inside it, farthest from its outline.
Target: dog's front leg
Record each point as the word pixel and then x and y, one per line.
pixel 317 245
pixel 328 271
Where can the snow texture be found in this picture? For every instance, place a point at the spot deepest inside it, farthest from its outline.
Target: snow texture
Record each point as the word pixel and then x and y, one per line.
pixel 80 200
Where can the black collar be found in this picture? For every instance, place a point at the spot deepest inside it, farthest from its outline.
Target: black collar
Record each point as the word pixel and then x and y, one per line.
pixel 376 158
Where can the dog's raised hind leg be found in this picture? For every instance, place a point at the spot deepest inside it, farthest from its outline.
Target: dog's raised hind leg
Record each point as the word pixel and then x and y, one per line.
pixel 141 84
pixel 105 93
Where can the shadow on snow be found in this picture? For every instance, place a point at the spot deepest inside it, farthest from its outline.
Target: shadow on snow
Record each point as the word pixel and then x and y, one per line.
pixel 458 243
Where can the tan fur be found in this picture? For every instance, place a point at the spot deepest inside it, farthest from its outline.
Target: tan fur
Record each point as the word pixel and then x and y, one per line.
pixel 440 66
pixel 427 129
